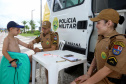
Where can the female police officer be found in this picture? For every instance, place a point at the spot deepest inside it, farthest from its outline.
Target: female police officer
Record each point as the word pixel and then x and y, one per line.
pixel 109 58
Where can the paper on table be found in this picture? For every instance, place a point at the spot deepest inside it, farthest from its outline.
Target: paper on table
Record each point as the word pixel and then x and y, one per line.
pixel 71 58
pixel 50 55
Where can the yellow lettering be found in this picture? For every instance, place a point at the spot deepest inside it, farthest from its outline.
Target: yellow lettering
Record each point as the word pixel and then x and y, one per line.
pixel 119 43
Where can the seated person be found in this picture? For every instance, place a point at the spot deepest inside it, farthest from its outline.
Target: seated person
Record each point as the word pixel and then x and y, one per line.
pixel 49 40
pixel 109 58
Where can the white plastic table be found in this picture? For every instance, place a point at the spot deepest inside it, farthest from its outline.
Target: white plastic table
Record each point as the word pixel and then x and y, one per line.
pixel 49 62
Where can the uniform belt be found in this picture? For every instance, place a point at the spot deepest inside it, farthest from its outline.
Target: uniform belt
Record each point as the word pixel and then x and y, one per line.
pixel 114 80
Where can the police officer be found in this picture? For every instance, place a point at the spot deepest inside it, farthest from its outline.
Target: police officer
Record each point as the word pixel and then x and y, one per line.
pixel 49 40
pixel 109 58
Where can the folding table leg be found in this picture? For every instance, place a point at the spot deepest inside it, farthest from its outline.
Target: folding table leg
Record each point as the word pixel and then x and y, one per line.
pixel 40 67
pixel 33 71
pixel 53 75
pixel 85 67
pixel 61 75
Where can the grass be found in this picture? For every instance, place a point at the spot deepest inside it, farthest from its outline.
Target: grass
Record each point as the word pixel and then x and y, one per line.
pixel 27 34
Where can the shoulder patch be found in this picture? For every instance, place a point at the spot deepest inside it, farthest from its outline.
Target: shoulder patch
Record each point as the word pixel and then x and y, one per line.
pixel 47 42
pixel 103 55
pixel 54 42
pixel 119 43
pixel 117 49
pixel 112 61
pixel 55 37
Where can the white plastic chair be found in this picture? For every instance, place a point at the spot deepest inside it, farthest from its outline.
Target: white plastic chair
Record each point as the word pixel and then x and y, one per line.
pixel 61 44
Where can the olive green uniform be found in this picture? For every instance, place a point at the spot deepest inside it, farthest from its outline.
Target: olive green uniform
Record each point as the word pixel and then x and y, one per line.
pixel 48 40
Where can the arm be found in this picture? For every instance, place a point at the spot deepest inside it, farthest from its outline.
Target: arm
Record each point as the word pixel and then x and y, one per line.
pixel 22 43
pixel 36 40
pixel 92 66
pixel 33 42
pixel 49 49
pixel 53 47
pixel 101 74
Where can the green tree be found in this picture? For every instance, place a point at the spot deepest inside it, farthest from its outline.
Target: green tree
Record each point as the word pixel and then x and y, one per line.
pixel 32 24
pixel 24 22
pixel 27 28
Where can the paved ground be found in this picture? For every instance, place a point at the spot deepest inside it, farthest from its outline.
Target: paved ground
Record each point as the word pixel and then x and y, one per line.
pixel 41 80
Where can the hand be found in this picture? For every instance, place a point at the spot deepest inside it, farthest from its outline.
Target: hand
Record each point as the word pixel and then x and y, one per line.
pixel 37 50
pixel 82 78
pixel 30 45
pixel 13 64
pixel 73 82
pixel 85 83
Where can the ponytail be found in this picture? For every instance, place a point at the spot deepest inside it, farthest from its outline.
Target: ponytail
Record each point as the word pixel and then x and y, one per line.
pixel 121 20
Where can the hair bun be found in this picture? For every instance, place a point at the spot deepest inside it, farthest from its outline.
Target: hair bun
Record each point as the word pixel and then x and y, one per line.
pixel 121 20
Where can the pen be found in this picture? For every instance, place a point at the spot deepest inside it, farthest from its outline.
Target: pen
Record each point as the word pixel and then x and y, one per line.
pixel 77 60
pixel 60 61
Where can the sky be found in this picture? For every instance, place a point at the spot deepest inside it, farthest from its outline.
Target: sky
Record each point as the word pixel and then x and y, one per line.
pixel 19 10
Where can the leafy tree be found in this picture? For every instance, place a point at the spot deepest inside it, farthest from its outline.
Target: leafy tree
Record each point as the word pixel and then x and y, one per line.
pixel 24 22
pixel 32 24
pixel 27 27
